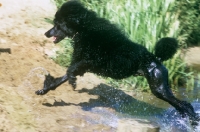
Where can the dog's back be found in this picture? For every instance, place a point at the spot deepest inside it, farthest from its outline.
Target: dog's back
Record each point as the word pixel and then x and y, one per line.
pixel 113 53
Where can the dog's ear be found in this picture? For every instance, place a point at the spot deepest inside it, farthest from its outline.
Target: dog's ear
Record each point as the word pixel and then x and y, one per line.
pixel 72 12
pixel 72 8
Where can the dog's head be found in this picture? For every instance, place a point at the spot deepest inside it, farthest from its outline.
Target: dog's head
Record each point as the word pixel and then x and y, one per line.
pixel 67 21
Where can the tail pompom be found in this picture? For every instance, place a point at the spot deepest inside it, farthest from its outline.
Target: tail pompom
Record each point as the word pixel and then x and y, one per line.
pixel 165 48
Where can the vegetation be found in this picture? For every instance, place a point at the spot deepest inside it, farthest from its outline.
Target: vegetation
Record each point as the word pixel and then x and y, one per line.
pixel 189 16
pixel 63 57
pixel 145 22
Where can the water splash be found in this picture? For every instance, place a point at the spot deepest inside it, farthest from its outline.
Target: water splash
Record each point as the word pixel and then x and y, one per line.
pixel 34 76
pixel 33 81
pixel 38 72
pixel 109 117
pixel 169 120
pixel 172 121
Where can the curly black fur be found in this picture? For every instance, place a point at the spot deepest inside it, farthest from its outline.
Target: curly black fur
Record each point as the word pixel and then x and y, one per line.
pixel 97 40
pixel 165 48
pixel 101 48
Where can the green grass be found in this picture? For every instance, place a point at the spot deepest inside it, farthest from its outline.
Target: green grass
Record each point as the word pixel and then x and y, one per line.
pixel 144 22
pixel 63 56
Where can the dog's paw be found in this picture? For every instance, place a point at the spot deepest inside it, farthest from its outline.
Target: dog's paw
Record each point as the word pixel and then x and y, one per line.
pixel 41 92
pixel 195 121
pixel 47 85
pixel 72 81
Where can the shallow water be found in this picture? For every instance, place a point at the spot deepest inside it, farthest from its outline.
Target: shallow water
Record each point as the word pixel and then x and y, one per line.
pixel 146 106
pixel 169 120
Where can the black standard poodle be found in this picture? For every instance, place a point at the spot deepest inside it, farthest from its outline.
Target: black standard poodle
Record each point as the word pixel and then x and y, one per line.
pixel 101 48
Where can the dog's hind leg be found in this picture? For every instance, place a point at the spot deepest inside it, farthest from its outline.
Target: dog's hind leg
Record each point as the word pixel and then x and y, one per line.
pixel 51 83
pixel 157 77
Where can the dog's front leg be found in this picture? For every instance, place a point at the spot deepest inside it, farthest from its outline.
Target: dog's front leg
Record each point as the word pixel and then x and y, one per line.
pixel 157 77
pixel 51 83
pixel 76 69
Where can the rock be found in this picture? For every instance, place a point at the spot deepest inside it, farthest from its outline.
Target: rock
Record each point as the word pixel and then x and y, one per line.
pixel 137 125
pixel 192 58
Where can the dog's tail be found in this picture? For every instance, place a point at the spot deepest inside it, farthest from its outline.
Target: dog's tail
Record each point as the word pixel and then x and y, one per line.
pixel 165 48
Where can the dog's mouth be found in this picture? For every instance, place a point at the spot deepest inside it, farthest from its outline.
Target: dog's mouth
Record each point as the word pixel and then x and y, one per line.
pixel 56 39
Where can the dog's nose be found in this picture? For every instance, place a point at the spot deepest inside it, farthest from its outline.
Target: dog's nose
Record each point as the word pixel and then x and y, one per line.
pixel 47 34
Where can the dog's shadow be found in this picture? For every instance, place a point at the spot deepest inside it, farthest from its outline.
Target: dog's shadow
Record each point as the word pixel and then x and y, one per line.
pixel 116 99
